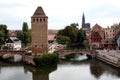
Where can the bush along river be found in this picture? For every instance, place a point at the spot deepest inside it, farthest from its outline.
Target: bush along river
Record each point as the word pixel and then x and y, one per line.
pixel 72 67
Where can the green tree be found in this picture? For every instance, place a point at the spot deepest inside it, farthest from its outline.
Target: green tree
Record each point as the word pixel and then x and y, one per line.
pixel 25 27
pixel 63 40
pixel 25 34
pixel 76 35
pixel 3 33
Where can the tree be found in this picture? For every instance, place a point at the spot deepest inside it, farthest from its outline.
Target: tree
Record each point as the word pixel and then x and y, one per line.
pixel 63 40
pixel 76 36
pixel 25 27
pixel 3 33
pixel 25 34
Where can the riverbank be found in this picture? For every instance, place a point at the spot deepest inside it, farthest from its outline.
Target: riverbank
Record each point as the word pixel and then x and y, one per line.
pixel 111 57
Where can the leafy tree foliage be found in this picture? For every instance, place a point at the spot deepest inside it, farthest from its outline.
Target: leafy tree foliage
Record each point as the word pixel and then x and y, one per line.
pixel 63 40
pixel 25 34
pixel 76 36
pixel 3 33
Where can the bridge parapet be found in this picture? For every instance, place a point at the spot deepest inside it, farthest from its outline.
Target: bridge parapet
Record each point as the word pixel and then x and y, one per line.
pixel 67 52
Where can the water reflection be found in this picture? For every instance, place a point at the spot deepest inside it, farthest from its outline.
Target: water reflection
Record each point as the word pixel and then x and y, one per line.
pixel 21 72
pixel 99 68
pixel 41 73
pixel 86 69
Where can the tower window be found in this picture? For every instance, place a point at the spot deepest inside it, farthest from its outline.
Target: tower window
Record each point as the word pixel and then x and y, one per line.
pixel 40 19
pixel 33 20
pixel 44 19
pixel 37 20
pixel 42 45
pixel 35 45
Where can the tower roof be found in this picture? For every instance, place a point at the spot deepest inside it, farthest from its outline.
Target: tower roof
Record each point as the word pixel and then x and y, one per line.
pixel 39 12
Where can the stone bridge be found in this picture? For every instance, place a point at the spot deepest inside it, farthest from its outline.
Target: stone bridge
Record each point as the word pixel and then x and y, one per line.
pixel 11 52
pixel 67 52
pixel 12 55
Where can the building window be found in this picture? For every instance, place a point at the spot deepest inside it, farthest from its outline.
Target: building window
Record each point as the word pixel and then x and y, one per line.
pixel 35 45
pixel 112 41
pixel 33 20
pixel 37 19
pixel 44 19
pixel 106 41
pixel 42 45
pixel 40 19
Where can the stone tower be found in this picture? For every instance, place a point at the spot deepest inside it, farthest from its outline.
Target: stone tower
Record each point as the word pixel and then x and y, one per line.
pixel 39 23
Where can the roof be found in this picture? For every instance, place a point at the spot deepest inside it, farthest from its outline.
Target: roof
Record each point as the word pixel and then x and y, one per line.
pixel 39 12
pixel 52 31
pixel 12 39
pixel 52 34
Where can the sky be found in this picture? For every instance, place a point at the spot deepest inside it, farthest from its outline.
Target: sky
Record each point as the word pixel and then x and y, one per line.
pixel 60 12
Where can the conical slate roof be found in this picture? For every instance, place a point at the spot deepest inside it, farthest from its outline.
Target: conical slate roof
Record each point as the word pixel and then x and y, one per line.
pixel 39 12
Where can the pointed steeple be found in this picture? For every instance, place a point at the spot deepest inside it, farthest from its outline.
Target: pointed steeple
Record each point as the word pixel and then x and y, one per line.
pixel 39 12
pixel 83 19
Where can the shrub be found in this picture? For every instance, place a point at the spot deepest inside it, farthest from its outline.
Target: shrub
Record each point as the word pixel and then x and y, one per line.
pixel 45 59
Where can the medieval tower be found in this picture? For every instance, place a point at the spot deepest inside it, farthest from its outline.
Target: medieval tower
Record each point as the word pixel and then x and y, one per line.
pixel 39 23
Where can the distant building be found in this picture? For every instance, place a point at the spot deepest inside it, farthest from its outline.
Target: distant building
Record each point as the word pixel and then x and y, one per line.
pixel 13 43
pixel 109 33
pixel 52 35
pixel 109 42
pixel 97 37
pixel 39 23
pixel 117 30
pixel 85 26
pixel 13 33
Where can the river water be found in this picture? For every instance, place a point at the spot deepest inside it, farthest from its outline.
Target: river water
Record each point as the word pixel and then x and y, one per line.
pixel 73 69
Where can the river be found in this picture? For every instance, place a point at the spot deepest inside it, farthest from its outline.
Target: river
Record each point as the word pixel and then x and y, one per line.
pixel 72 69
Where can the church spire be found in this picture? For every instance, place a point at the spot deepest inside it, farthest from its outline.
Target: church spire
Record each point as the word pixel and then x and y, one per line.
pixel 83 20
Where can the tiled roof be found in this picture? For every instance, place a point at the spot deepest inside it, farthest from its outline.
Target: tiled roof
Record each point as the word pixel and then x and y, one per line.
pixel 39 12
pixel 52 34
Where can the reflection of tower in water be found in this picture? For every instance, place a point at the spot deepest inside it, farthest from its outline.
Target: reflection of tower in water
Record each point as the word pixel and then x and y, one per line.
pixel 40 73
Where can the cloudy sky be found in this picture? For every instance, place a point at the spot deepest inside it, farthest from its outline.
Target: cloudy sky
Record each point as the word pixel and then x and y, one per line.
pixel 60 12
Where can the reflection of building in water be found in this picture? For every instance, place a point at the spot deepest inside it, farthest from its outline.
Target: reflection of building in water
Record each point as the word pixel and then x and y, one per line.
pixel 97 68
pixel 40 73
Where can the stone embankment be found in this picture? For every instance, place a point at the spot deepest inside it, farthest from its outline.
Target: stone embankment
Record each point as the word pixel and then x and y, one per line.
pixel 109 56
pixel 29 60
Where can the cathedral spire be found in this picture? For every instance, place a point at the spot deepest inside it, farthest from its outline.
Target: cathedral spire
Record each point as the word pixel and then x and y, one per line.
pixel 83 20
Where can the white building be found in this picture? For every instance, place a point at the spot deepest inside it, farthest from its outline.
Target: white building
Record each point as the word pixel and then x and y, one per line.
pixel 13 43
